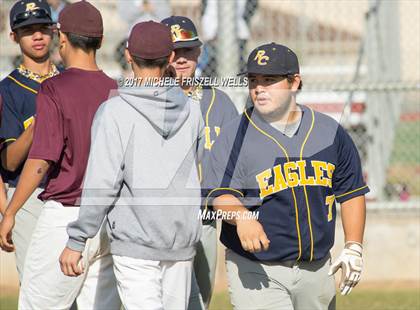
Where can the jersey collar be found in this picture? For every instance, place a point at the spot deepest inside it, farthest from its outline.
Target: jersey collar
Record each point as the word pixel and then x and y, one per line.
pixel 35 76
pixel 196 93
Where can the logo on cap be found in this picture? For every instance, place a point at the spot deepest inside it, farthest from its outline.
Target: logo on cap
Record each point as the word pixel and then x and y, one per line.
pixel 261 58
pixel 31 6
pixel 181 34
pixel 176 32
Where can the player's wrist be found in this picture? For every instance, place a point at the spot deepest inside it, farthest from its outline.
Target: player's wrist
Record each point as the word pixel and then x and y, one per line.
pixel 9 212
pixel 354 246
pixel 76 244
pixel 244 217
pixel 3 204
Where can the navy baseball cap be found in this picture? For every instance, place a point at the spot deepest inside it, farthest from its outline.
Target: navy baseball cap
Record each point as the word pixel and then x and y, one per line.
pixel 184 33
pixel 272 59
pixel 30 12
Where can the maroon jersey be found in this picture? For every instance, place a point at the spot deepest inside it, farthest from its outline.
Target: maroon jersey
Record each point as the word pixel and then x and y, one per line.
pixel 65 107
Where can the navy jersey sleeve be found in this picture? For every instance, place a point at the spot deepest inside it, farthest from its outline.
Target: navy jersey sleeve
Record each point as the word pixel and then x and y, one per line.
pixel 11 127
pixel 48 141
pixel 223 174
pixel 348 177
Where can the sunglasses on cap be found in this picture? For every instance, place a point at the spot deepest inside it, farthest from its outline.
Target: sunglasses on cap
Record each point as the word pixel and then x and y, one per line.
pixel 38 13
pixel 183 35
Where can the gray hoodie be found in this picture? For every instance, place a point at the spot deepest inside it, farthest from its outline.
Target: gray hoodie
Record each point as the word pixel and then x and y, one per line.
pixel 142 176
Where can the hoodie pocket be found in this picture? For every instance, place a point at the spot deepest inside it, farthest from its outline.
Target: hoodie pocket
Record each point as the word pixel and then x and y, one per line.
pixel 158 227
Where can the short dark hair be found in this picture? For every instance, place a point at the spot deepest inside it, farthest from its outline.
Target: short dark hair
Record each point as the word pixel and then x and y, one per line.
pixel 83 42
pixel 151 63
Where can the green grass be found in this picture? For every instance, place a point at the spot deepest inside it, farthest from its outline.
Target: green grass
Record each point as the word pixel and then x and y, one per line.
pixel 8 303
pixel 362 299
pixel 220 301
pixel 365 299
pixel 380 300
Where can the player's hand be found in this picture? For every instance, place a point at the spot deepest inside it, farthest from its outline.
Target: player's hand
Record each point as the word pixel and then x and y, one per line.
pixel 351 263
pixel 252 235
pixel 70 262
pixel 6 227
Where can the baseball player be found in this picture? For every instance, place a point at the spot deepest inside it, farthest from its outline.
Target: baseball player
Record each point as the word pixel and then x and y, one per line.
pixel 217 110
pixel 3 201
pixel 30 23
pixel 289 165
pixel 2 188
pixel 152 170
pixel 65 107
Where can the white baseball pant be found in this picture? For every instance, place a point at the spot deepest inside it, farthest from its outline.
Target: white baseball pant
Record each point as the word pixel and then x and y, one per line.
pixel 148 284
pixel 44 286
pixel 25 222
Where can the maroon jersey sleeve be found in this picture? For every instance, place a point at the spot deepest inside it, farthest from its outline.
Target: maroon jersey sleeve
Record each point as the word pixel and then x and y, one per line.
pixel 48 141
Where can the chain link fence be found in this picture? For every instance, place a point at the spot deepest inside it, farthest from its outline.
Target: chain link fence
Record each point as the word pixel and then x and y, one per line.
pixel 359 61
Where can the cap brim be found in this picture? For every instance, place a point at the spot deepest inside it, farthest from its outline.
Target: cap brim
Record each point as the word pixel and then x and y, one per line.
pixel 263 72
pixel 33 21
pixel 186 44
pixel 253 71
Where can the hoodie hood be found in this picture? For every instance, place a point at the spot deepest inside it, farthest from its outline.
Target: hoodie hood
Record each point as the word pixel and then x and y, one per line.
pixel 165 108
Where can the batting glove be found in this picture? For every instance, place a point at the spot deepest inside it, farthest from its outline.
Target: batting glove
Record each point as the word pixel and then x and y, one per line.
pixel 351 263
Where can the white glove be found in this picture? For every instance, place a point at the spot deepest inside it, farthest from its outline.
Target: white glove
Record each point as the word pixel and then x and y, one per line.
pixel 351 262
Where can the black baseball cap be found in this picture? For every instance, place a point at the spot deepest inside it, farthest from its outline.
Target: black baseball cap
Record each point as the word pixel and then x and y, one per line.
pixel 30 12
pixel 184 33
pixel 272 59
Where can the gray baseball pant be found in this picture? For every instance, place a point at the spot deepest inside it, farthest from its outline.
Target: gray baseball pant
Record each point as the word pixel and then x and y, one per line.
pixel 288 285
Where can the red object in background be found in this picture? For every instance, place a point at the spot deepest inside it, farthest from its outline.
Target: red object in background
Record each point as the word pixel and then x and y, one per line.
pixel 358 107
pixel 404 194
pixel 337 107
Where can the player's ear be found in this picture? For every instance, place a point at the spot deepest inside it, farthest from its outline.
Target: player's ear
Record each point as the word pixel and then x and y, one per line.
pixel 171 57
pixel 128 57
pixel 101 43
pixel 296 82
pixel 14 37
pixel 62 38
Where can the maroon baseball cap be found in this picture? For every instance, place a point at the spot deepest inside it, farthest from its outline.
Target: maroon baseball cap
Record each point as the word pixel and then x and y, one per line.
pixel 81 18
pixel 150 40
